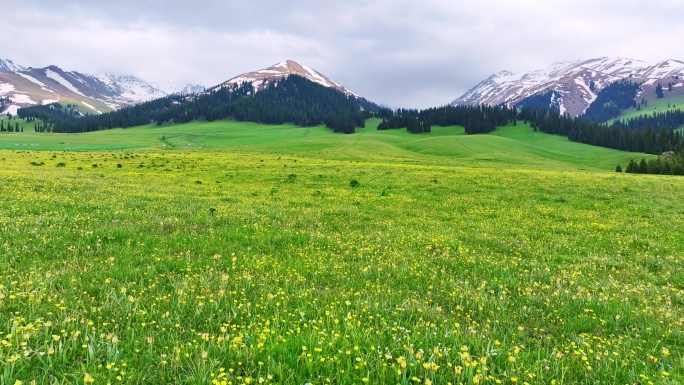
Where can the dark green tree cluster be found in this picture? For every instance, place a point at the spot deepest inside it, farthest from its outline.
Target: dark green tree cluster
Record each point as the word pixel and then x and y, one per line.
pixel 479 125
pixel 550 122
pixel 9 127
pixel 476 119
pixel 578 130
pixel 548 101
pixel 659 91
pixel 460 115
pixel 49 116
pixel 668 164
pixel 412 122
pixel 346 124
pixel 611 101
pixel 643 140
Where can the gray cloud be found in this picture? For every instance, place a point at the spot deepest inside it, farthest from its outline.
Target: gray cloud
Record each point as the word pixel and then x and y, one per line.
pixel 402 53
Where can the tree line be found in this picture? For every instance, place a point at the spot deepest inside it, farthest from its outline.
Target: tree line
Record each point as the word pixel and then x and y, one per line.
pixel 669 119
pixel 479 119
pixel 670 163
pixel 611 101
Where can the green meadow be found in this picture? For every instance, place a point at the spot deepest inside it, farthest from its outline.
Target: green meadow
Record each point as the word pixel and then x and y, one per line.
pixel 234 253
pixel 668 103
pixel 513 146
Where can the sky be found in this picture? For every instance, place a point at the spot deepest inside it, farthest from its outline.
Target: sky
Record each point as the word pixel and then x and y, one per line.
pixel 409 54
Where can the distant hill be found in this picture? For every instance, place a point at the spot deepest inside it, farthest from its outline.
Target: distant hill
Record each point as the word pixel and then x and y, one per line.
pixel 575 85
pixel 89 94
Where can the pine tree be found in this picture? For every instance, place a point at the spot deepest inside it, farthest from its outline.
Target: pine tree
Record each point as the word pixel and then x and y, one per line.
pixel 632 167
pixel 643 167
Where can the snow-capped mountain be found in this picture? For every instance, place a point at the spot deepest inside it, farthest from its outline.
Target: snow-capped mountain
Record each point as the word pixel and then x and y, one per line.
pixel 186 89
pixel 261 78
pixel 90 93
pixel 9 66
pixel 578 82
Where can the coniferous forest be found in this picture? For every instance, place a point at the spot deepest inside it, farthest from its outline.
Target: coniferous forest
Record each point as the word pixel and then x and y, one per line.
pixel 476 119
pixel 547 101
pixel 293 99
pixel 611 101
pixel 669 119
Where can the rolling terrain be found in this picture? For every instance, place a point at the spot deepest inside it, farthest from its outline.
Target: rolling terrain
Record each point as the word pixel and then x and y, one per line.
pixel 507 147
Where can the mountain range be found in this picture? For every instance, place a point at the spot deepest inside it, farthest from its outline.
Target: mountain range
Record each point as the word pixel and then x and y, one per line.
pixel 577 82
pixel 286 92
pixel 89 93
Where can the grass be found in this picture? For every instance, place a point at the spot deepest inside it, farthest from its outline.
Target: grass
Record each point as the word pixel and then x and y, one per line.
pixel 28 127
pixel 297 256
pixel 508 147
pixel 668 103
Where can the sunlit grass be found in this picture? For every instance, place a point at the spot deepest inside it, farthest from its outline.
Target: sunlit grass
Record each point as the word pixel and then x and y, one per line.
pixel 251 266
pixel 508 147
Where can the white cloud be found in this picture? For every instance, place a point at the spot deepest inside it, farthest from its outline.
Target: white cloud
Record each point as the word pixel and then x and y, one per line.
pixel 404 53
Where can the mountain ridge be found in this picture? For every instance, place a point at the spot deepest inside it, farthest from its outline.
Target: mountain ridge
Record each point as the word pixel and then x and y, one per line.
pixel 9 66
pixel 91 93
pixel 578 82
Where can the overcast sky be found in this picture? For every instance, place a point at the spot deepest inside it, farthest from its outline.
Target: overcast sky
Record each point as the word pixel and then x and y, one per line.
pixel 400 53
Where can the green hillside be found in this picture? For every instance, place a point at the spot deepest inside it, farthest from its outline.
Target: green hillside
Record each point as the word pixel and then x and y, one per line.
pixel 667 103
pixel 512 146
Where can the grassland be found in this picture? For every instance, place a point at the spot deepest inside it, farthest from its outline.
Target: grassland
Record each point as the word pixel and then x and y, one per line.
pixel 28 127
pixel 284 255
pixel 668 103
pixel 517 147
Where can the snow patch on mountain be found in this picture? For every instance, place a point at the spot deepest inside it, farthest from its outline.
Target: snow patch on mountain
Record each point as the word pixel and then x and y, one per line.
pixel 32 80
pixel 6 88
pixel 22 99
pixel 59 79
pixel 12 109
pixel 261 78
pixel 91 107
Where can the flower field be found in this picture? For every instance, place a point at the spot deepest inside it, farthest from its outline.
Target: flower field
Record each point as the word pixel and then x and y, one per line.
pixel 224 267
